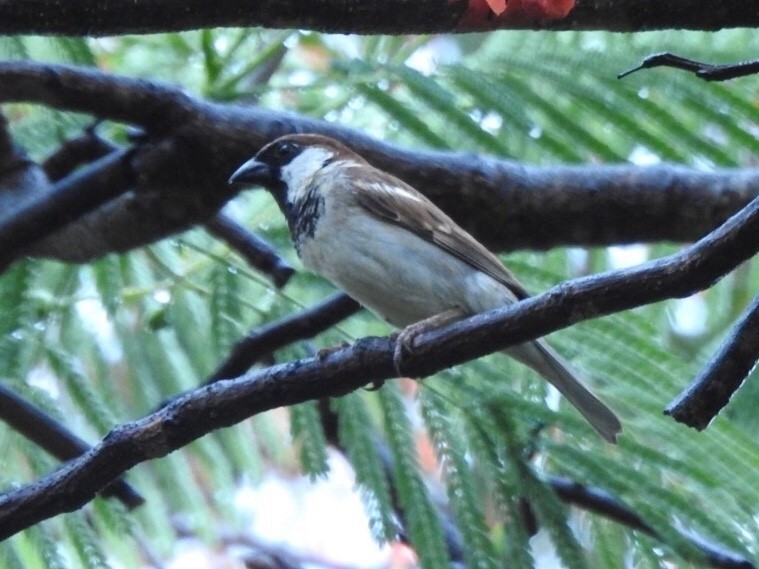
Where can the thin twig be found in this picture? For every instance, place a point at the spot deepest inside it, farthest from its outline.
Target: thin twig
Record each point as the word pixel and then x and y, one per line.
pixel 711 391
pixel 276 335
pixel 705 71
pixel 255 250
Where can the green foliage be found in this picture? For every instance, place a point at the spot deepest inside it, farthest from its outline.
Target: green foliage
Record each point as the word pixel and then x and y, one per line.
pixel 421 517
pixel 460 485
pixel 309 436
pixel 361 447
pixel 106 343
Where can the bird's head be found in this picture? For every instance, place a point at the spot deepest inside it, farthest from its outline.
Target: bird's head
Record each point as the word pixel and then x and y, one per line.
pixel 287 166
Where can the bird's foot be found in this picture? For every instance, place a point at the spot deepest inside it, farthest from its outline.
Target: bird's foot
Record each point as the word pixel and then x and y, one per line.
pixel 406 337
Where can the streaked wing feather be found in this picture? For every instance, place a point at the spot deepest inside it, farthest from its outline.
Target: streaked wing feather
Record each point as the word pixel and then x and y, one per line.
pixel 411 210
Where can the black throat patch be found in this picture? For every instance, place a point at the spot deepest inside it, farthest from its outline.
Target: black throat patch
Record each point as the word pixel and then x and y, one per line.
pixel 303 216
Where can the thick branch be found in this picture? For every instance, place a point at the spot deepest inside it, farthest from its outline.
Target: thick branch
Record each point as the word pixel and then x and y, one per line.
pixel 507 205
pixel 76 152
pixel 227 402
pixel 72 197
pixel 97 18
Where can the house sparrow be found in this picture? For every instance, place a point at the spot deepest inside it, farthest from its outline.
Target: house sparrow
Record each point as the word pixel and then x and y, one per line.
pixel 394 251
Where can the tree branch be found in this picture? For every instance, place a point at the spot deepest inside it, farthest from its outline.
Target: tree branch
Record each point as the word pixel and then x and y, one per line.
pixel 97 18
pixel 192 146
pixel 257 252
pixel 49 434
pixel 342 370
pixel 71 198
pixel 705 71
pixel 76 152
pixel 599 501
pixel 711 391
pixel 276 335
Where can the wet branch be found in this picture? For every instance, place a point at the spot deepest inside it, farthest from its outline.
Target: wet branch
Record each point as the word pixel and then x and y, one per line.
pixel 705 71
pixel 52 436
pixel 97 18
pixel 190 147
pixel 257 252
pixel 711 391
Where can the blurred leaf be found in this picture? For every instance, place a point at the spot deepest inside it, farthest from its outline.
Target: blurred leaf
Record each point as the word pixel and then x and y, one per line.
pixel 421 519
pixel 308 434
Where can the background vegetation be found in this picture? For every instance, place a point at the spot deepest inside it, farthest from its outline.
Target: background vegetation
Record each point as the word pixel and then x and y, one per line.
pixel 100 344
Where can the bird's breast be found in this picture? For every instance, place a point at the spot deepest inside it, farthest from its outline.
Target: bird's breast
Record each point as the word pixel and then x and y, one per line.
pixel 393 272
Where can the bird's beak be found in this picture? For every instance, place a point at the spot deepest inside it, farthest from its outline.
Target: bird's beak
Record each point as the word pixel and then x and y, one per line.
pixel 253 172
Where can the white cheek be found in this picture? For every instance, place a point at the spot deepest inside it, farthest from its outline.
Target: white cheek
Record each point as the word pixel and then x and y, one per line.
pixel 298 174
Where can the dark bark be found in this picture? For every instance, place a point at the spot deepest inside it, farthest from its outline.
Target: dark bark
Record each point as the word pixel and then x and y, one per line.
pixel 257 252
pixel 98 18
pixel 711 391
pixel 52 436
pixel 71 198
pixel 190 147
pixel 705 71
pixel 265 340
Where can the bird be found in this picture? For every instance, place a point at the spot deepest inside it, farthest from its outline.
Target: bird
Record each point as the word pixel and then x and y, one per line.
pixel 394 251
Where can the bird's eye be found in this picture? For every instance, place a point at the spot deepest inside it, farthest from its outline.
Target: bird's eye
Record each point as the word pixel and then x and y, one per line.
pixel 285 149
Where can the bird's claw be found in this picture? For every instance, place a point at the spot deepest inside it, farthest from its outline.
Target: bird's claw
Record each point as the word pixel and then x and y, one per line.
pixel 406 337
pixel 404 344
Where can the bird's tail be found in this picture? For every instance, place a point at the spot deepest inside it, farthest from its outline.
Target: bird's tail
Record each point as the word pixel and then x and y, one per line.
pixel 540 356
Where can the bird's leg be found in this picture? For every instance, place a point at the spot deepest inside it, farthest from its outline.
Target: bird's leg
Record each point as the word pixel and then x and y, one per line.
pixel 405 340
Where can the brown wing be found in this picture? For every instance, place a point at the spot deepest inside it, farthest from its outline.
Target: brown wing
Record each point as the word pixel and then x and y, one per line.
pixel 392 200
